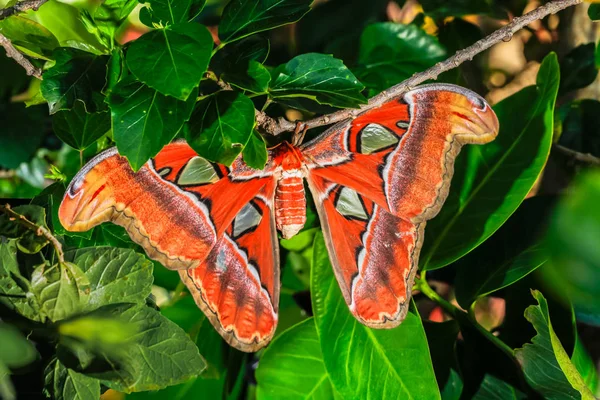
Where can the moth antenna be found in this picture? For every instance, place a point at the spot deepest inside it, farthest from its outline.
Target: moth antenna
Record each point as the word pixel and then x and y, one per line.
pixel 299 133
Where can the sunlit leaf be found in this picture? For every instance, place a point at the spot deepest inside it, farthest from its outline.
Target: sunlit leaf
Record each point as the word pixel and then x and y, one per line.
pixel 80 129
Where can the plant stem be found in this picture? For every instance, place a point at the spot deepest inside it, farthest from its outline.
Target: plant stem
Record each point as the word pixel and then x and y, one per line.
pixel 38 230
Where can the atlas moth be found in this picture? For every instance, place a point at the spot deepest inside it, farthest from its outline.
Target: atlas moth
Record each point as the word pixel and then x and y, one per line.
pixel 376 179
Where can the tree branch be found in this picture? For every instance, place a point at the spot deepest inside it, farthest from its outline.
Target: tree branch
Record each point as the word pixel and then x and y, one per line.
pixel 19 58
pixel 38 230
pixel 505 33
pixel 586 158
pixel 20 7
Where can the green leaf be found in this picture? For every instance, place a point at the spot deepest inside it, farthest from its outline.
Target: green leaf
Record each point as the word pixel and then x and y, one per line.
pixel 594 12
pixel 115 275
pixel 574 271
pixel 254 78
pixel 161 353
pixel 20 122
pixel 255 153
pixel 545 362
pixel 578 68
pixel 145 120
pixel 80 129
pixel 493 388
pixel 15 289
pixel 318 77
pixel 69 29
pixel 75 76
pixel 242 18
pixel 364 362
pixel 62 290
pixel 169 12
pixel 230 57
pixel 390 53
pixel 28 241
pixel 511 253
pixel 491 181
pixel 62 383
pixel 16 351
pixel 221 125
pixel 292 366
pixel 172 60
pixel 29 37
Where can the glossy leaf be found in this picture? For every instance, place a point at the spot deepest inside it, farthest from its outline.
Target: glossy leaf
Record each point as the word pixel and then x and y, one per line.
pixel 546 365
pixel 221 125
pixel 491 181
pixel 29 37
pixel 172 60
pixel 493 388
pixel 80 129
pixel 230 57
pixel 242 18
pixel 364 362
pixel 62 383
pixel 292 367
pixel 255 153
pixel 585 365
pixel 390 53
pixel 145 120
pixel 578 68
pixel 115 275
pixel 75 76
pixel 511 253
pixel 62 290
pixel 254 78
pixel 169 12
pixel 573 271
pixel 318 77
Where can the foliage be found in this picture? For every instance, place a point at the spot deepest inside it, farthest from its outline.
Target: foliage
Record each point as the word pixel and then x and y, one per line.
pixel 84 313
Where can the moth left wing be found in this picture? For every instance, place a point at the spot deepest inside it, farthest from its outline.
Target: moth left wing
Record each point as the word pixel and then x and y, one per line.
pixel 237 285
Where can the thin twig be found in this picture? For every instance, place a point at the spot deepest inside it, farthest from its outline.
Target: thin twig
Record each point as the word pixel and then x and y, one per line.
pixel 20 7
pixel 19 58
pixel 581 157
pixel 38 230
pixel 503 34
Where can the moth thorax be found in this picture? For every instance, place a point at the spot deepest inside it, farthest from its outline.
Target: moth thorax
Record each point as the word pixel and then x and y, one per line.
pixel 290 204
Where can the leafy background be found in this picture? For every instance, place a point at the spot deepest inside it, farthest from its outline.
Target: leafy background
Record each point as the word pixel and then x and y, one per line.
pixel 507 302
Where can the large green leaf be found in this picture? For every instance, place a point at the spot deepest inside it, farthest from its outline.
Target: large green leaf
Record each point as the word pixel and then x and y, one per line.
pixel 161 353
pixel 80 129
pixel 221 125
pixel 585 365
pixel 77 75
pixel 29 37
pixel 62 290
pixel 15 289
pixel 491 181
pixel 171 60
pixel 574 268
pixel 242 18
pixel 255 153
pixel 318 77
pixel 292 366
pixel 390 53
pixel 510 254
pixel 115 275
pixel 62 383
pixel 545 362
pixel 493 388
pixel 145 120
pixel 169 12
pixel 362 362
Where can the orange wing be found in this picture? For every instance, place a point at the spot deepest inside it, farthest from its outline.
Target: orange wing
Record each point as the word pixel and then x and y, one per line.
pixel 378 179
pixel 237 286
pixel 176 206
